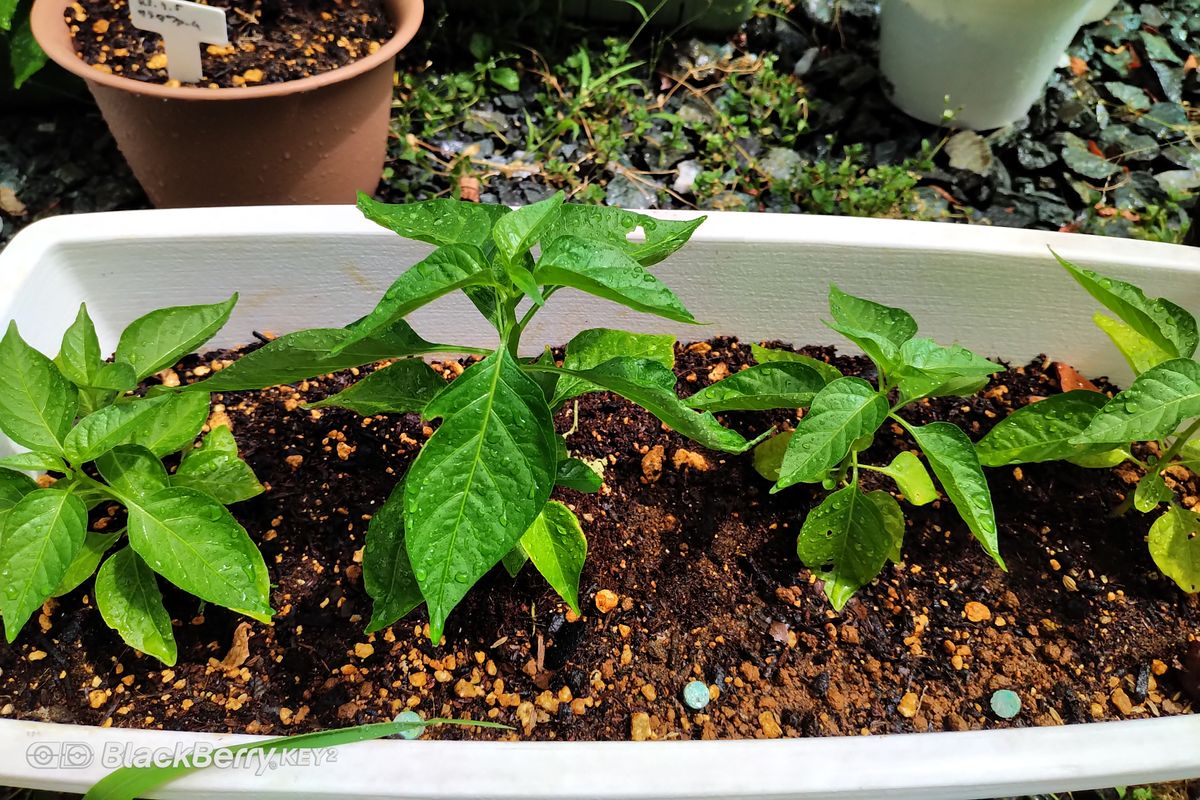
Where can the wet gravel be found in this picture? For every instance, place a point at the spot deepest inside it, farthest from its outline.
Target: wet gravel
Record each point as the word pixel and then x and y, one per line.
pixel 1106 150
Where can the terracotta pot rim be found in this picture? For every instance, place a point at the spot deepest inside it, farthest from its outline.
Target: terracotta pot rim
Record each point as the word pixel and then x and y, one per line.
pixel 50 31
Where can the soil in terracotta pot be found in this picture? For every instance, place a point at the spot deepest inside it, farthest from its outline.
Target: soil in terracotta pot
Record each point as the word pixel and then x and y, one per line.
pixel 270 41
pixel 694 565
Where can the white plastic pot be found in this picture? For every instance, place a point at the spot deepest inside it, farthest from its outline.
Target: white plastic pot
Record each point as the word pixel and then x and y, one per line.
pixel 987 61
pixel 1098 10
pixel 751 275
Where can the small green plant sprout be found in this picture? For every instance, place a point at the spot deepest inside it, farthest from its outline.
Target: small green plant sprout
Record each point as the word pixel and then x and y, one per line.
pixel 79 418
pixel 849 537
pixel 1158 339
pixel 478 493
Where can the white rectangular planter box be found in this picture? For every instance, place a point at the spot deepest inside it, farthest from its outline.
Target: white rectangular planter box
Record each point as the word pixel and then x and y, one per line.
pixel 755 276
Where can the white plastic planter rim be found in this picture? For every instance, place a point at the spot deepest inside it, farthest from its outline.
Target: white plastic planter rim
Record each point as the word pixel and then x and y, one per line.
pixel 754 276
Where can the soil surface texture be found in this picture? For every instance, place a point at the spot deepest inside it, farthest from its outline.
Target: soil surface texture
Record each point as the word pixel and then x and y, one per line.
pixel 270 41
pixel 692 575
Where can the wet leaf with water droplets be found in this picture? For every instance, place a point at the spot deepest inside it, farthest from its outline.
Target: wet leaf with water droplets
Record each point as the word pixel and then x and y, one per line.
pixel 928 369
pixel 1167 325
pixel 159 339
pixel 557 547
pixel 607 272
pixel 613 226
pixel 1043 431
pixel 1175 547
pixel 130 602
pixel 13 486
pixel 216 469
pixel 37 404
pixel 841 413
pixel 194 542
pixel 466 499
pixel 767 355
pixel 441 222
pixel 306 354
pixel 132 470
pixel 41 536
pixel 34 462
pixel 517 232
pixel 443 271
pixel 1140 353
pixel 912 479
pixel 652 386
pixel 404 387
pixel 592 347
pixel 761 388
pixel 387 572
pixel 846 541
pixel 1152 407
pixel 1150 492
pixel 878 329
pixel 79 357
pixel 163 424
pixel 956 466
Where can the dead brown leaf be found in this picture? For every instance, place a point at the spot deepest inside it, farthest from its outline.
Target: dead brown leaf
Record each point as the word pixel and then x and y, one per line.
pixel 239 651
pixel 9 202
pixel 1070 379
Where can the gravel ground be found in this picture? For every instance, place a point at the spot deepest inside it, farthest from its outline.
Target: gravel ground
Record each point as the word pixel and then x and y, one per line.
pixel 787 115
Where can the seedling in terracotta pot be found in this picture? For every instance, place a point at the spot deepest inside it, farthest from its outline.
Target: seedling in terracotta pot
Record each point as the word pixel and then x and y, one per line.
pixel 478 492
pixel 849 537
pixel 79 418
pixel 1159 415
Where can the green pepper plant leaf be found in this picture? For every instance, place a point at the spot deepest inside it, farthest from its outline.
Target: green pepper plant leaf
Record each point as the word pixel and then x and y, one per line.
pixel 102 444
pixel 847 539
pixel 478 493
pixel 1157 416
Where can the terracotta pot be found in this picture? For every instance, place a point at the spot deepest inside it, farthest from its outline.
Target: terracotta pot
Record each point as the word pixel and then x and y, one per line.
pixel 315 140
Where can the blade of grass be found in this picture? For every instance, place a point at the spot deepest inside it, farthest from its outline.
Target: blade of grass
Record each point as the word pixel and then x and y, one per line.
pixel 132 782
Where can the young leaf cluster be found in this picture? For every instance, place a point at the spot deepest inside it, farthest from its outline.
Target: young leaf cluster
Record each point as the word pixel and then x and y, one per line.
pixel 79 419
pixel 478 493
pixel 849 537
pixel 1161 407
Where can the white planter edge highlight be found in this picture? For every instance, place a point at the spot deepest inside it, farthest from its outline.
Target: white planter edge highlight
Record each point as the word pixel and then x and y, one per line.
pixel 140 260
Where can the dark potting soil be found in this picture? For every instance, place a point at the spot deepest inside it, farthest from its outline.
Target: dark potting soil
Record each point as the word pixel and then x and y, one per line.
pixel 270 41
pixel 700 561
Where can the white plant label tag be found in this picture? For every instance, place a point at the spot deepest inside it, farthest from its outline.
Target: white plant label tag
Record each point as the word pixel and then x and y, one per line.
pixel 184 26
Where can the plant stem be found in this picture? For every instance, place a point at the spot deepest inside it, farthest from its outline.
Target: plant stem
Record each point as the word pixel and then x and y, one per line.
pixel 510 328
pixel 575 424
pixel 532 312
pixel 1126 504
pixel 83 479
pixel 903 423
pixel 1178 444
